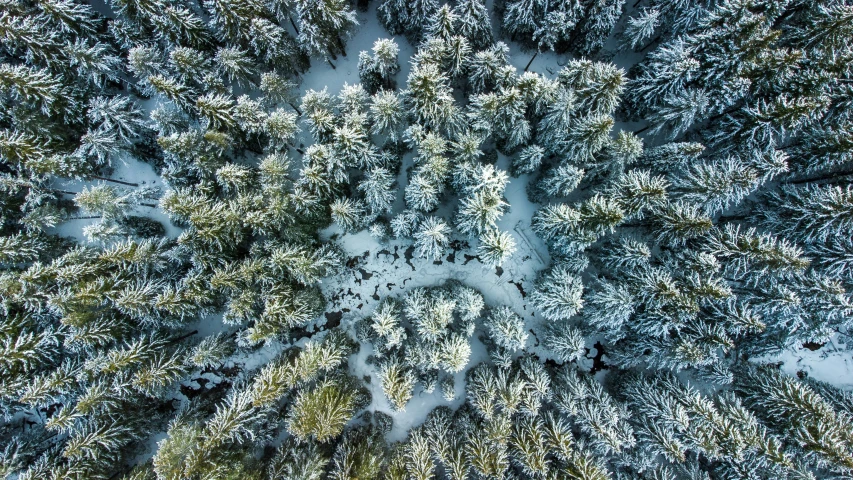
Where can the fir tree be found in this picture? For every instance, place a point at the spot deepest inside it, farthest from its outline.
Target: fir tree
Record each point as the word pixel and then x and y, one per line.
pixel 641 28
pixel 587 137
pixel 321 412
pixel 678 112
pixel 378 191
pixel 397 383
pixel 719 185
pixel 559 181
pixel 299 461
pixel 430 96
pixel 406 17
pixel 495 247
pixel 506 328
pixel 323 26
pixel 564 341
pixel 558 294
pixel 431 238
pixel 387 114
pixel 528 160
pixel 473 23
pixel 479 213
pixel 807 213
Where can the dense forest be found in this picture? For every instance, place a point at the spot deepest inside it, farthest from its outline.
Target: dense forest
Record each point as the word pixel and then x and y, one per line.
pixel 678 175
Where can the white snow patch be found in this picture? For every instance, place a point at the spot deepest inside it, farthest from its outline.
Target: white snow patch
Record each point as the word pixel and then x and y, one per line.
pixel 831 363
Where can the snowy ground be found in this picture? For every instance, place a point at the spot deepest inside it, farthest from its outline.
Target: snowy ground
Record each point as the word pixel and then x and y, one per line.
pixel 831 363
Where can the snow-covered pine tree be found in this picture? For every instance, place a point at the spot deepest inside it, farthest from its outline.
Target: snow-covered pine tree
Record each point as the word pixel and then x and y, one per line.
pixel 506 329
pixel 408 18
pixel 558 294
pixel 495 247
pixel 559 181
pixel 387 114
pixel 480 212
pixel 597 25
pixel 378 191
pixel 473 23
pixel 377 71
pixel 529 160
pixel 430 96
pixel 641 28
pixel 321 412
pixel 431 238
pixel 323 26
pixel 808 212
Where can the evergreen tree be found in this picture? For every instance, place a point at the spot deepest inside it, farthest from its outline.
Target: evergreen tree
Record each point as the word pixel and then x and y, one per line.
pixel 528 160
pixel 678 112
pixel 807 213
pixel 473 23
pixel 678 222
pixel 559 181
pixel 719 185
pixel 641 28
pixel 430 96
pixel 558 294
pixel 406 223
pixel 323 24
pixel 397 383
pixel 387 114
pixel 495 247
pixel 587 137
pixel 422 193
pixel 564 341
pixel 506 329
pixel 299 461
pixel 479 213
pixel 442 24
pixel 378 191
pixel 321 413
pixel 409 18
pixel 822 147
pixel 638 192
pixel 431 238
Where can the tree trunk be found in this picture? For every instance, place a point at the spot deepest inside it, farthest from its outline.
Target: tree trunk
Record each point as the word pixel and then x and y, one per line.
pixel 828 176
pixel 723 114
pixel 301 152
pixel 151 205
pixel 331 53
pixel 66 192
pixel 341 45
pixel 331 64
pixel 785 16
pixel 531 60
pixel 790 146
pixel 298 111
pixel 651 43
pixel 634 225
pixel 637 3
pixel 85 218
pixel 182 337
pixel 114 181
pixel 642 130
pixel 294 24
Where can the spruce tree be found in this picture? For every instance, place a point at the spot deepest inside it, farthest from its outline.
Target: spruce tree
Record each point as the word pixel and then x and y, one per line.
pixel 558 294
